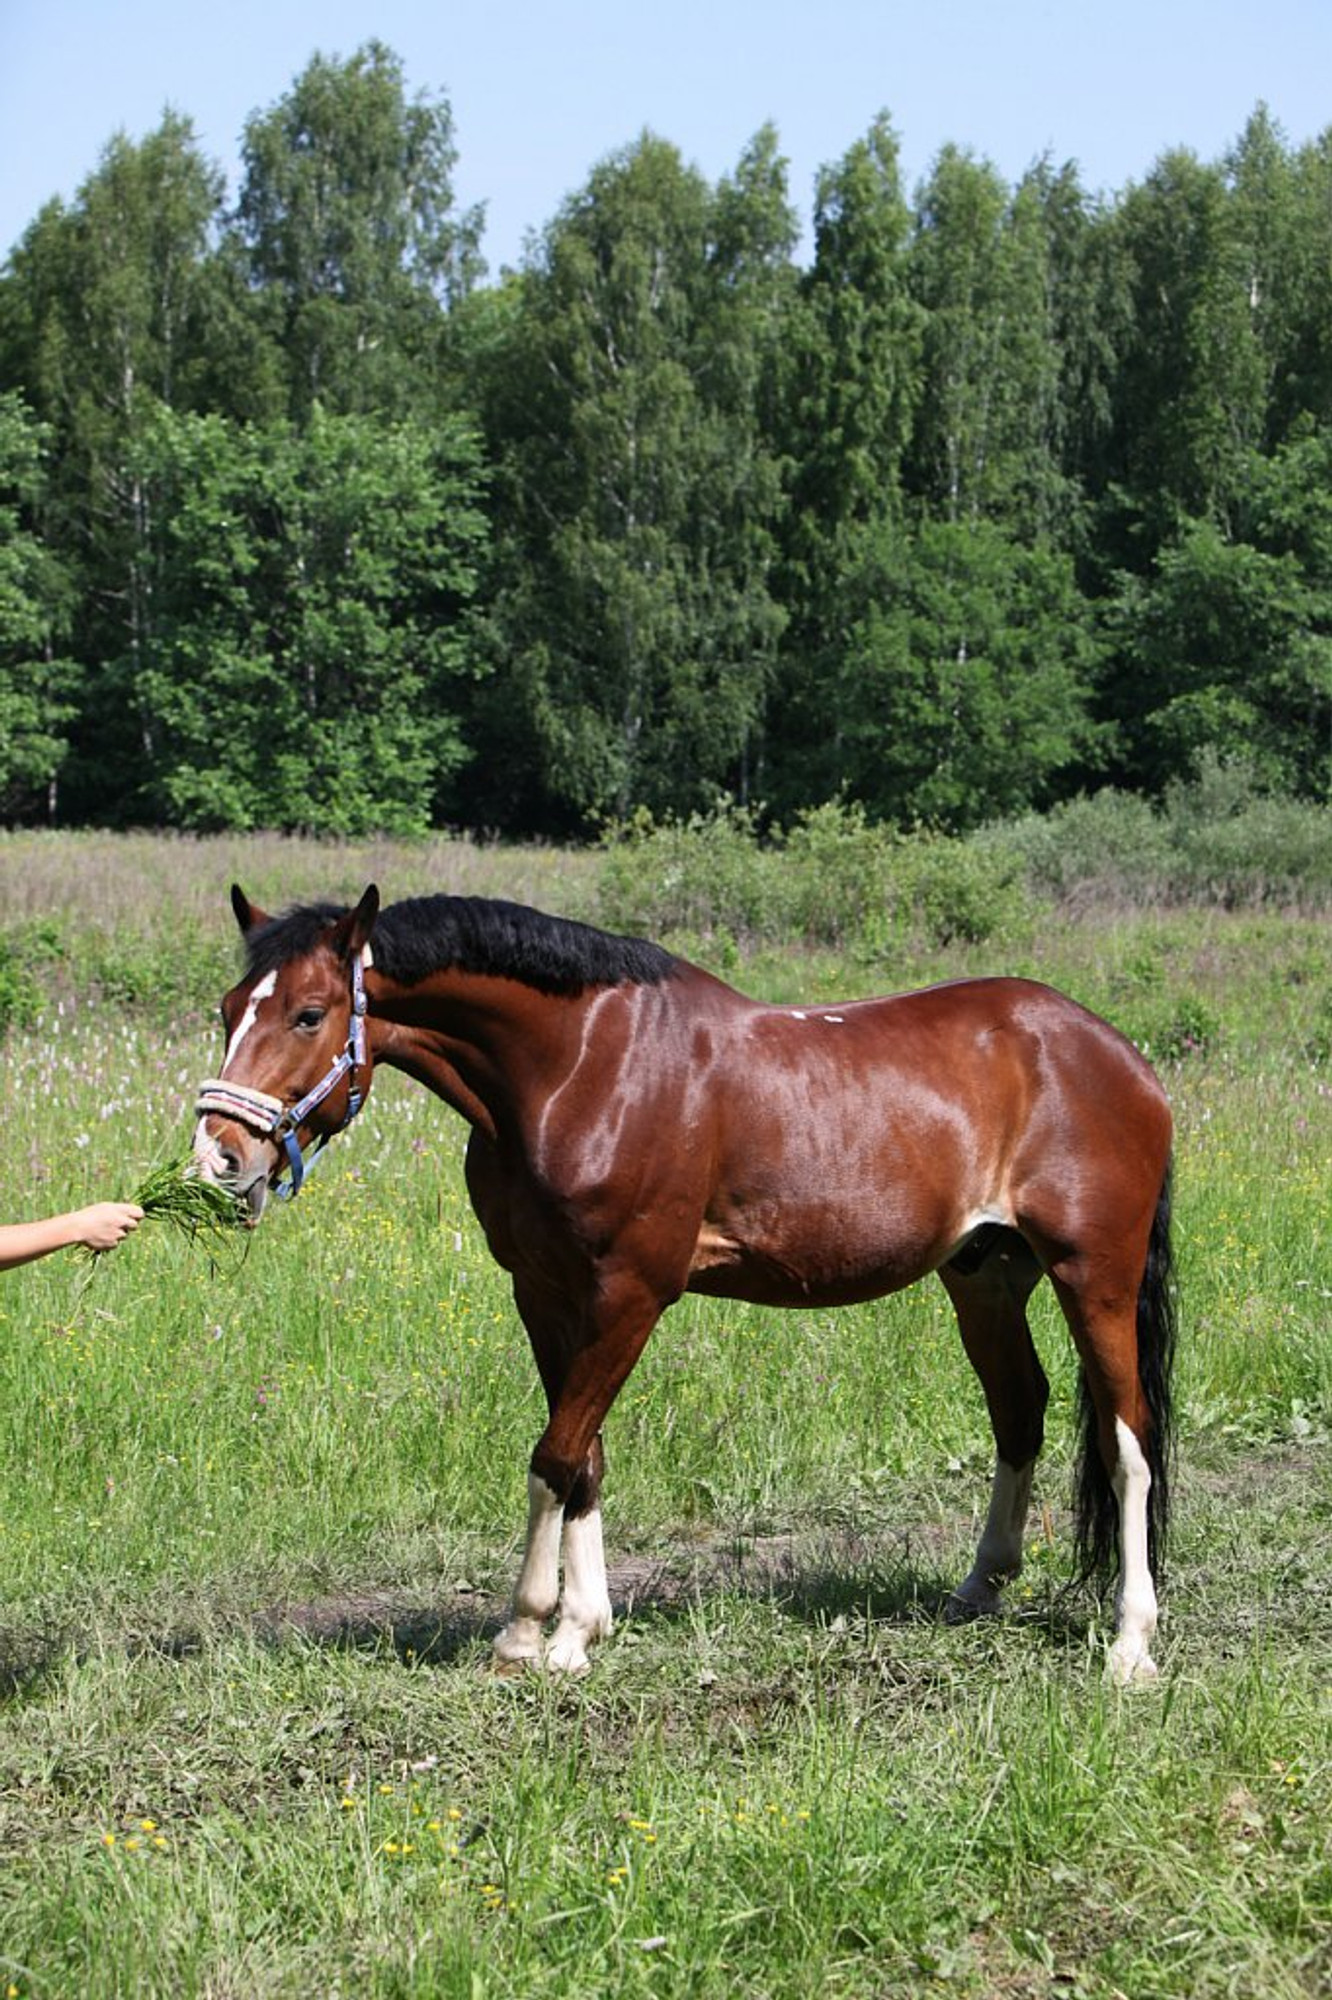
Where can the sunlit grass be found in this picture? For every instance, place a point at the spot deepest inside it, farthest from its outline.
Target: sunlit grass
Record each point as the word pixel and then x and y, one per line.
pixel 258 1519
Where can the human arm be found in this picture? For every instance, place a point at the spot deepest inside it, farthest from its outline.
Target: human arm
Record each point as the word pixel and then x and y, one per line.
pixel 99 1227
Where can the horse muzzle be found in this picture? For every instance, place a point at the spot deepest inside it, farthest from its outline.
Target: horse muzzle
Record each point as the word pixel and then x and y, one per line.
pixel 237 1159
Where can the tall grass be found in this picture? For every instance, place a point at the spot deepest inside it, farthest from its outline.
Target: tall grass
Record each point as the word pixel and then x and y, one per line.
pixel 257 1526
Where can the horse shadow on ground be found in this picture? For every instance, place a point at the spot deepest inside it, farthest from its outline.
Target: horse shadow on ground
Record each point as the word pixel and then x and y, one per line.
pixel 828 1579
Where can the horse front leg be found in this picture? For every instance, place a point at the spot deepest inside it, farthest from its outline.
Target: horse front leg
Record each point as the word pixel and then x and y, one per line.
pixel 564 1485
pixel 570 1528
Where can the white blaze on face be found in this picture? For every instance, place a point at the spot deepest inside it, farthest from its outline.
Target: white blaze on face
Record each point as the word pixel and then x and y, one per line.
pixel 262 989
pixel 207 1152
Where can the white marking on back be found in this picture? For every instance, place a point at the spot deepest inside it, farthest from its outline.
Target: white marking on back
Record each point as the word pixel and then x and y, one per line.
pixel 796 1015
pixel 261 991
pixel 836 1019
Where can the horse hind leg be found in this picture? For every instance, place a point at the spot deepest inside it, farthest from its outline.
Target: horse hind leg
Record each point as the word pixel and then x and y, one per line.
pixel 1115 1475
pixel 1120 1311
pixel 989 1296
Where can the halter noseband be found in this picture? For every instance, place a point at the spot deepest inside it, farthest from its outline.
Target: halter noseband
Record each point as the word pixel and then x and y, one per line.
pixel 271 1119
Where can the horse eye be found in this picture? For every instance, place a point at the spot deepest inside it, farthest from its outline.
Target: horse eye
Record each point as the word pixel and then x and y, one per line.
pixel 310 1017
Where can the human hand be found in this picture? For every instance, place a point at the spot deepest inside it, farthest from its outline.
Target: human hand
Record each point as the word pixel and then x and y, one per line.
pixel 107 1223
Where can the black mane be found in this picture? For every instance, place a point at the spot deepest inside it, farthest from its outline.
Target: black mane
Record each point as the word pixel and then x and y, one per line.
pixel 481 934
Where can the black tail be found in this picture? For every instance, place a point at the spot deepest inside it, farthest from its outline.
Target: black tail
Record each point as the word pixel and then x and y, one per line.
pixel 1097 1512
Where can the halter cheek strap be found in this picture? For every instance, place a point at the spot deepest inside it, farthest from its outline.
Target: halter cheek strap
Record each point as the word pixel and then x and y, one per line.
pixel 271 1119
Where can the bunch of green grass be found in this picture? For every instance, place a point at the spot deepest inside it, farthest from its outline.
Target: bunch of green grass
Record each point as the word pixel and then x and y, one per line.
pixel 200 1210
pixel 173 1192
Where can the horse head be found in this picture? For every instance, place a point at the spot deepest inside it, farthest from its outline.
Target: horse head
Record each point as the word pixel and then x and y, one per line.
pixel 297 1066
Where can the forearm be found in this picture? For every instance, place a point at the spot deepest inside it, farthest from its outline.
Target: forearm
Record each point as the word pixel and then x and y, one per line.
pixel 100 1227
pixel 21 1242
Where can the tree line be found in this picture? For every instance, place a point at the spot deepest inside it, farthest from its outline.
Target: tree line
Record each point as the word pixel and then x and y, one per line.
pixel 1007 493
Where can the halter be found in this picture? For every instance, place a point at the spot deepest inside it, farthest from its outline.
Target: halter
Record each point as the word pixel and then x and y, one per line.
pixel 271 1119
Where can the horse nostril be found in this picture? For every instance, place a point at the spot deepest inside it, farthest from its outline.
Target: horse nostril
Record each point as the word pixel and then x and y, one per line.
pixel 231 1162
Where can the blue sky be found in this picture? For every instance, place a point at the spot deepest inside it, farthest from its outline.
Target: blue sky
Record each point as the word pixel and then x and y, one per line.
pixel 541 92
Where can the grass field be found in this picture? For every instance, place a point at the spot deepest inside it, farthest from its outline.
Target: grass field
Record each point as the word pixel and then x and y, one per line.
pixel 259 1518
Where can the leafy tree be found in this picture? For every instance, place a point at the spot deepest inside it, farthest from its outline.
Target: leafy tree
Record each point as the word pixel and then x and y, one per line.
pixel 1007 354
pixel 101 322
pixel 850 388
pixel 310 592
pixel 1193 389
pixel 1226 648
pixel 350 236
pixel 968 678
pixel 35 681
pixel 101 303
pixel 1303 390
pixel 633 613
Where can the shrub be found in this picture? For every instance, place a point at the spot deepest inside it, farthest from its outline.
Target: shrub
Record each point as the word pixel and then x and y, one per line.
pixel 1272 851
pixel 954 893
pixel 834 878
pixel 1113 843
pixel 707 873
pixel 1217 839
pixel 25 954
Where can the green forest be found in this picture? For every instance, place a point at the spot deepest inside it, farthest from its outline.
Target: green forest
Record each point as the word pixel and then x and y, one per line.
pixel 1003 495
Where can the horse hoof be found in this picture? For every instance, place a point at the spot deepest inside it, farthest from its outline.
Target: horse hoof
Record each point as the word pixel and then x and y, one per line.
pixel 567 1658
pixel 517 1647
pixel 970 1601
pixel 1130 1668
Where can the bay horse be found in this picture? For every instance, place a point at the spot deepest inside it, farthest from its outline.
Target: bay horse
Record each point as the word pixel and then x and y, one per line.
pixel 639 1129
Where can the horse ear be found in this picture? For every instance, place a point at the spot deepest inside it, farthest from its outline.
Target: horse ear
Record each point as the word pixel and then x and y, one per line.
pixel 248 915
pixel 352 932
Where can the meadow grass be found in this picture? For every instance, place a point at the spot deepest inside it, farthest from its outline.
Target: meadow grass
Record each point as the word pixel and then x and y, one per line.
pixel 260 1514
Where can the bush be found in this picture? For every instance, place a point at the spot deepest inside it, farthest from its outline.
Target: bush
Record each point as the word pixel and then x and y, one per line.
pixel 1113 843
pixel 707 873
pixel 1218 839
pixel 834 879
pixel 1272 851
pixel 26 953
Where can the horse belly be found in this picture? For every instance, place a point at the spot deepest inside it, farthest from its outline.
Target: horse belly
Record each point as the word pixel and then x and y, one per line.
pixel 831 1257
pixel 840 1194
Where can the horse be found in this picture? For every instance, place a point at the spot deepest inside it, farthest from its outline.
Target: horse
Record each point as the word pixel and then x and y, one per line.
pixel 640 1129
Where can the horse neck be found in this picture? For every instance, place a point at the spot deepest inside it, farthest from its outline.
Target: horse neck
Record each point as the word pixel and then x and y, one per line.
pixel 483 1044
